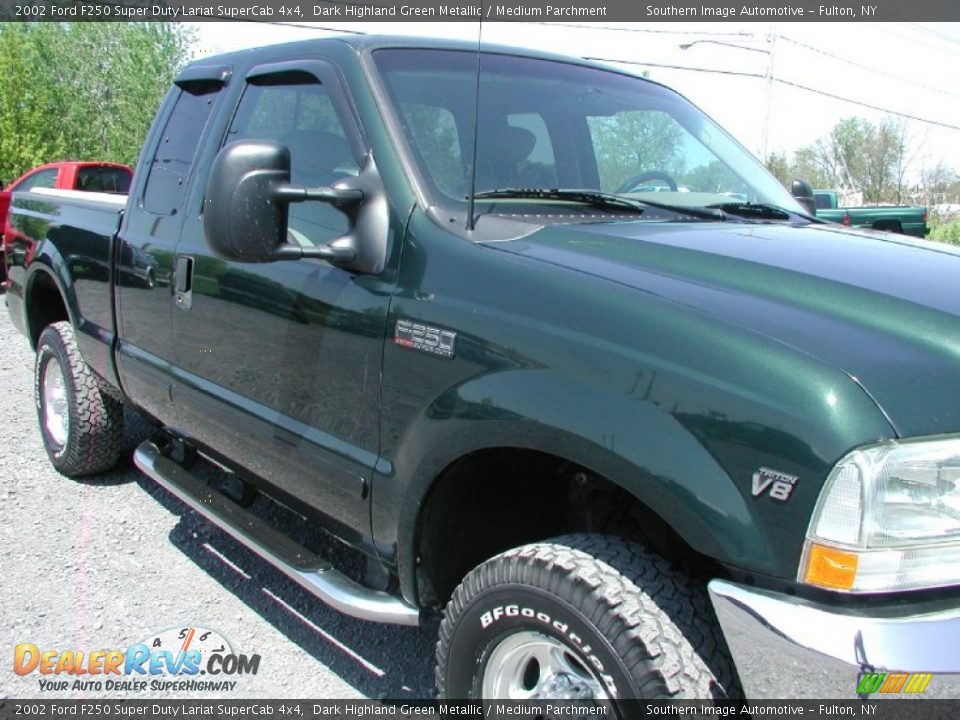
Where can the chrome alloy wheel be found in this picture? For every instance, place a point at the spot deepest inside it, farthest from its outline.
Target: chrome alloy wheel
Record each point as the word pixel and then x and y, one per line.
pixel 56 412
pixel 529 665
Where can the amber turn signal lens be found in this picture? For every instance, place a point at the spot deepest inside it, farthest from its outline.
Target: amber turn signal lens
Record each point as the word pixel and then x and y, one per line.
pixel 830 568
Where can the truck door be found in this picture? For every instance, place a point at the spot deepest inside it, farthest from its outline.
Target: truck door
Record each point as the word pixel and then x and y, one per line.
pixel 281 361
pixel 148 239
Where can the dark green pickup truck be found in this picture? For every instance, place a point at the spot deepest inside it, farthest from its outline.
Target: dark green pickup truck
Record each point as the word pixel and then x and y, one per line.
pixel 567 365
pixel 892 218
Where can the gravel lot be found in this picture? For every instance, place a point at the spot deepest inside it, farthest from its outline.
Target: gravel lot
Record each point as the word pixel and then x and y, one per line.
pixel 109 561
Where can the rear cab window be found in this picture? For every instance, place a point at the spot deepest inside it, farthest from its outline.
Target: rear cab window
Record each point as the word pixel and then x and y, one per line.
pixel 171 163
pixel 104 179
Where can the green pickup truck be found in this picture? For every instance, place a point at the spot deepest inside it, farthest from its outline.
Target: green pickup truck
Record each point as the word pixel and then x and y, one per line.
pixel 626 441
pixel 905 219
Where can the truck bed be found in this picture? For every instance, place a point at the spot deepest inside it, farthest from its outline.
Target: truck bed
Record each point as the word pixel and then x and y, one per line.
pixel 76 229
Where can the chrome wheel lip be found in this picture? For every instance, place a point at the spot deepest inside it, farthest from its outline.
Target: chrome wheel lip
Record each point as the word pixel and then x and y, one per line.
pixel 56 411
pixel 530 665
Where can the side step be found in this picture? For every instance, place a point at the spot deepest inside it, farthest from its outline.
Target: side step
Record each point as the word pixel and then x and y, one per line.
pixel 309 570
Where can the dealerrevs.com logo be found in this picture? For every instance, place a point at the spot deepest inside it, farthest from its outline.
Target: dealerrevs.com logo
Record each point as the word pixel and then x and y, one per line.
pixel 184 659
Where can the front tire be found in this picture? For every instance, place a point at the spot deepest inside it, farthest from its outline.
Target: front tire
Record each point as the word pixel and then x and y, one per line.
pixel 585 617
pixel 81 421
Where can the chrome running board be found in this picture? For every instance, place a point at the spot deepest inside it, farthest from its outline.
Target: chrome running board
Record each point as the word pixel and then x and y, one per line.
pixel 309 570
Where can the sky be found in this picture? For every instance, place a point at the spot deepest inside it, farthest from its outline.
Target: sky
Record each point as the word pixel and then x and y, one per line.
pixel 908 68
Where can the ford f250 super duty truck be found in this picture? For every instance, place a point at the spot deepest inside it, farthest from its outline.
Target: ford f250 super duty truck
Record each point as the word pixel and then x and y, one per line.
pixel 892 218
pixel 546 345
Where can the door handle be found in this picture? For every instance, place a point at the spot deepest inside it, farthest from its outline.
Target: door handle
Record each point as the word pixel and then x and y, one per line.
pixel 183 282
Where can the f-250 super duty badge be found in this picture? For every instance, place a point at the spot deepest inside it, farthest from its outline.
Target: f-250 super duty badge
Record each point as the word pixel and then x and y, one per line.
pixel 433 340
pixel 776 484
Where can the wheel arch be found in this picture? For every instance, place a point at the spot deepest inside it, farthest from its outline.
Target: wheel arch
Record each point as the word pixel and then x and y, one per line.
pixel 889 225
pixel 46 300
pixel 630 446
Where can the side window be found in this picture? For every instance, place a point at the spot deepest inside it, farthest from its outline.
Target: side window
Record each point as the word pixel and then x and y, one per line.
pixel 171 164
pixel 302 116
pixel 435 136
pixel 42 179
pixel 108 180
pixel 656 146
pixel 662 155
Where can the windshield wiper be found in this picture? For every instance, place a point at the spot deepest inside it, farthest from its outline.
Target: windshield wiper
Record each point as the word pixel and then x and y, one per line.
pixel 594 198
pixel 764 211
pixel 599 199
pixel 704 213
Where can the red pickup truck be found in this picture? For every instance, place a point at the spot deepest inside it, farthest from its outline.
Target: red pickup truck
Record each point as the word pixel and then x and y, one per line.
pixel 90 176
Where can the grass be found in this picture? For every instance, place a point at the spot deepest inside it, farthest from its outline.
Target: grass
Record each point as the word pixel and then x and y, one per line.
pixel 948 232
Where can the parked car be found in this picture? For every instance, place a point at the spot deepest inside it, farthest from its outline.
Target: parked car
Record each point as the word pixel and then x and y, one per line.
pixel 908 220
pixel 86 176
pixel 627 442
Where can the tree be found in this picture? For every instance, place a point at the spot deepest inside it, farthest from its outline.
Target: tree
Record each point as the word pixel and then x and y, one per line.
pixel 806 167
pixel 858 156
pixel 635 141
pixel 27 135
pixel 85 91
pixel 779 166
pixel 939 184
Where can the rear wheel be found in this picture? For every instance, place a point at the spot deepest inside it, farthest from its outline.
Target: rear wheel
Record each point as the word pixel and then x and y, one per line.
pixel 888 226
pixel 81 421
pixel 582 617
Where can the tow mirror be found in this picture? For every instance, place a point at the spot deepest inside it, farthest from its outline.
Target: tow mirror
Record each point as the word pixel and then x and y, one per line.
pixel 245 213
pixel 803 194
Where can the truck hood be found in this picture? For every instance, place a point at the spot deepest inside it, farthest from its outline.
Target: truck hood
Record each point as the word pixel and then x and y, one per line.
pixel 882 308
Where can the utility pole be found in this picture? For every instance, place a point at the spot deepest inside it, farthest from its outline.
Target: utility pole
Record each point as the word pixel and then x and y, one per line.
pixel 769 78
pixel 768 101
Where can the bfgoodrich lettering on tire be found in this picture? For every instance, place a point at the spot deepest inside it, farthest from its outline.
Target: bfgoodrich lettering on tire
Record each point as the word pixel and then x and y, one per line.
pixel 80 419
pixel 580 616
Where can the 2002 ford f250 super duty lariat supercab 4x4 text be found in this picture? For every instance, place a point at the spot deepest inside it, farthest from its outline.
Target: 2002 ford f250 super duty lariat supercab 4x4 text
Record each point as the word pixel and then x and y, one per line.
pixel 631 441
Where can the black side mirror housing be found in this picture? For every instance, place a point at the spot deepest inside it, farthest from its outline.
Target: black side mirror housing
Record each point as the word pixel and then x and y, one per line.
pixel 803 194
pixel 243 220
pixel 246 214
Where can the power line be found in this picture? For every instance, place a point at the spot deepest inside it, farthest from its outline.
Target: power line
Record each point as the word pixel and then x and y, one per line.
pixel 715 71
pixel 782 81
pixel 854 63
pixel 933 33
pixel 867 105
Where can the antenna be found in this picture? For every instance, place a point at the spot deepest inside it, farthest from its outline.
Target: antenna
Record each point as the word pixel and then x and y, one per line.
pixel 476 128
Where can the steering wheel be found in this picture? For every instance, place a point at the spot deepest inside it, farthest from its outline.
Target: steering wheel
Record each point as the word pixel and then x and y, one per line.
pixel 643 177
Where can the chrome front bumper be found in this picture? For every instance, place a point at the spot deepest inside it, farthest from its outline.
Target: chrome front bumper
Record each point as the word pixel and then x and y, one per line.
pixel 786 648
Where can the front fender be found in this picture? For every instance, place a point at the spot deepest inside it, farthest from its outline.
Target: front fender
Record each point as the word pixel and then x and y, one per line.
pixel 694 470
pixel 628 440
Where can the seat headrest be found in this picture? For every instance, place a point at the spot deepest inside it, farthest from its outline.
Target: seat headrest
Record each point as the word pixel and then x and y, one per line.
pixel 516 143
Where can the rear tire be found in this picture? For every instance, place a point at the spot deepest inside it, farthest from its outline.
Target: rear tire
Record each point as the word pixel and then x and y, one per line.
pixel 81 420
pixel 581 616
pixel 893 226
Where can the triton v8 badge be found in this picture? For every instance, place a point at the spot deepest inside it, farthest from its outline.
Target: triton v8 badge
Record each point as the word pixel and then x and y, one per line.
pixel 776 484
pixel 426 338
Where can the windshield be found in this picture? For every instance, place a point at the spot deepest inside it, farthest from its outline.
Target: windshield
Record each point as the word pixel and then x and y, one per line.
pixel 548 124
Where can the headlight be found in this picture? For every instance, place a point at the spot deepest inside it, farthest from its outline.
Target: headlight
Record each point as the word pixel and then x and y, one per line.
pixel 888 519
